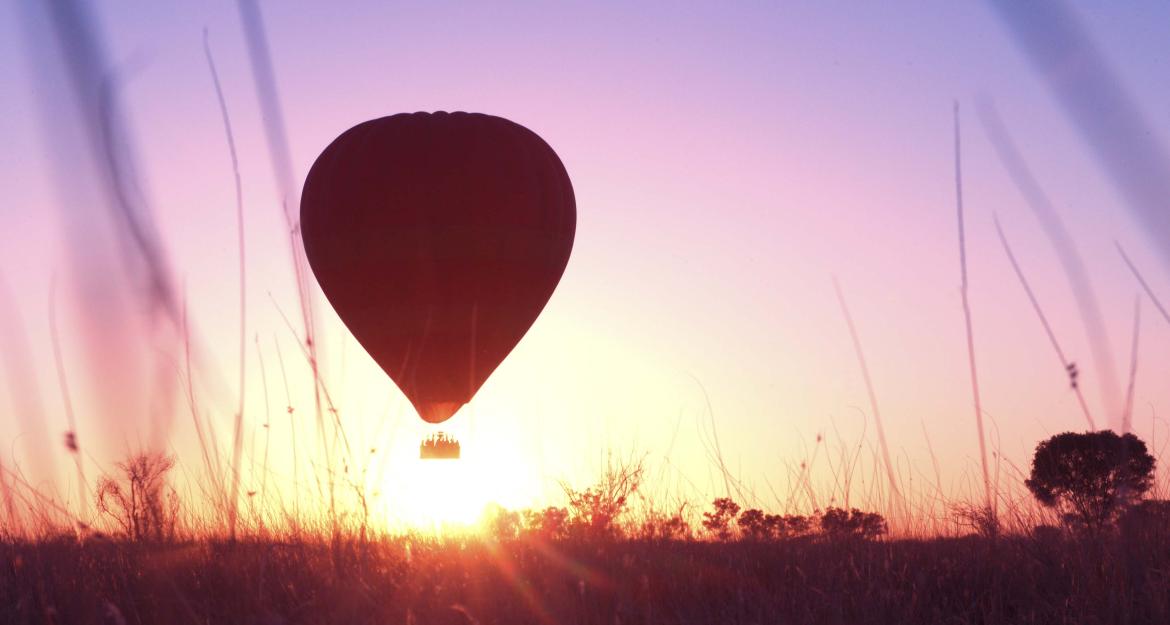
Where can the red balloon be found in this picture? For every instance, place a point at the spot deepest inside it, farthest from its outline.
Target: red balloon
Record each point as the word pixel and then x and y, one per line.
pixel 438 238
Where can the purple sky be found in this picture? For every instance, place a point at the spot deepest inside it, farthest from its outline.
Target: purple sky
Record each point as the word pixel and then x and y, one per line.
pixel 727 162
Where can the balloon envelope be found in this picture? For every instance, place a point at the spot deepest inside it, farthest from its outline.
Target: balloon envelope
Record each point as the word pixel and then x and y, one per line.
pixel 438 238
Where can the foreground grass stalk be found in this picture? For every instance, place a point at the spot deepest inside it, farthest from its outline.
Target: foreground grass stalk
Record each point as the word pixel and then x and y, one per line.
pixel 990 499
pixel 1127 416
pixel 899 503
pixel 1069 366
pixel 237 435
pixel 1142 281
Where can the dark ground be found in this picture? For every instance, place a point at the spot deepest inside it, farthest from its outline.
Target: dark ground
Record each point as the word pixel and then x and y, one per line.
pixel 1046 580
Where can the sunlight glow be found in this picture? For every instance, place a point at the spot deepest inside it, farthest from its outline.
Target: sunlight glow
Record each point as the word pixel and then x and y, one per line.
pixel 449 496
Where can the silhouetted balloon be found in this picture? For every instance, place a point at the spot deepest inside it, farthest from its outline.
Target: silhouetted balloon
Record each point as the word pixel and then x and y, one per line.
pixel 438 238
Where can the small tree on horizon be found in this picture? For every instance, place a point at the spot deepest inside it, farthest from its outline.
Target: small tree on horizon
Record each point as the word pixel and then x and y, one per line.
pixel 1090 478
pixel 840 523
pixel 594 512
pixel 718 521
pixel 754 525
pixel 141 502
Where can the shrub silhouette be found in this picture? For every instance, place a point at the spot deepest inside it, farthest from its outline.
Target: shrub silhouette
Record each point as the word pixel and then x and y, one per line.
pixel 789 525
pixel 660 526
pixel 593 512
pixel 503 524
pixel 552 523
pixel 1090 478
pixel 718 521
pixel 141 502
pixel 755 525
pixel 979 519
pixel 840 523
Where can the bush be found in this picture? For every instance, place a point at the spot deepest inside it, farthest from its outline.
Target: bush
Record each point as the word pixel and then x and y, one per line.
pixel 1090 478
pixel 839 523
pixel 979 519
pixel 552 523
pixel 718 521
pixel 141 502
pixel 659 526
pixel 755 525
pixel 789 525
pixel 503 524
pixel 594 511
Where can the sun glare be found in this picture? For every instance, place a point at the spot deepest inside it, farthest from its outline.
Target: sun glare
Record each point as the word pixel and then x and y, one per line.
pixel 446 496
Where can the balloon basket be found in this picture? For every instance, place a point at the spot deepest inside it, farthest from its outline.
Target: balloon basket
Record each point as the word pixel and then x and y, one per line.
pixel 439 446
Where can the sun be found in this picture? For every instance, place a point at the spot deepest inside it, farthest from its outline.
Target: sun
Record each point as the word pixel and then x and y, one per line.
pixel 445 496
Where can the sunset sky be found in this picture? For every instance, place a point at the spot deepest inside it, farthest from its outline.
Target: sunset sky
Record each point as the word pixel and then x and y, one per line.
pixel 728 161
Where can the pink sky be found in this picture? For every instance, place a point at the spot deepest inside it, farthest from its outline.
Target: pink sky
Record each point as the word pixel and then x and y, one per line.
pixel 726 164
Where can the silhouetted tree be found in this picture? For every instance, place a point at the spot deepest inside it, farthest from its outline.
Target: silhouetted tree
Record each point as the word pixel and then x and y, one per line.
pixel 718 521
pixel 1090 478
pixel 792 525
pixel 980 519
pixel 593 511
pixel 140 502
pixel 840 523
pixel 552 523
pixel 754 525
pixel 660 526
pixel 503 524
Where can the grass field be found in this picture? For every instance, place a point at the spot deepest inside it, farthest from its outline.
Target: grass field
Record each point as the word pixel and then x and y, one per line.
pixel 1042 579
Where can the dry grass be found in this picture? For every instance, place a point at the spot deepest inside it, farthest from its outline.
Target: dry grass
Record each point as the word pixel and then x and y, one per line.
pixel 1044 579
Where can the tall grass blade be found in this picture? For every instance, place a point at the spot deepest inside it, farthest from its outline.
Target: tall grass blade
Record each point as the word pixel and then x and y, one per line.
pixel 990 499
pixel 1142 281
pixel 72 437
pixel 899 503
pixel 1066 250
pixel 1067 365
pixel 237 435
pixel 1127 416
pixel 1066 59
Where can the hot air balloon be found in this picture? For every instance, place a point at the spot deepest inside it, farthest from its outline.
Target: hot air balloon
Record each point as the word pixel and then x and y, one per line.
pixel 438 238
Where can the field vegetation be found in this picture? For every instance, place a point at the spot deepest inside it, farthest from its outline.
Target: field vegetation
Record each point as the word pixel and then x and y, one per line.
pixel 600 560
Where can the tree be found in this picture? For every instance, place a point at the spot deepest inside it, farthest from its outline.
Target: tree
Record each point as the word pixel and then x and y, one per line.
pixel 790 525
pixel 718 521
pixel 1090 478
pixel 660 526
pixel 503 524
pixel 552 523
pixel 840 523
pixel 595 510
pixel 754 525
pixel 141 502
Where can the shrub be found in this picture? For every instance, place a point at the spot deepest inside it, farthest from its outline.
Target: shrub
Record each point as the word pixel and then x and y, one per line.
pixel 659 526
pixel 594 511
pixel 503 524
pixel 141 502
pixel 791 525
pixel 552 523
pixel 840 523
pixel 979 519
pixel 755 525
pixel 718 521
pixel 1090 478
